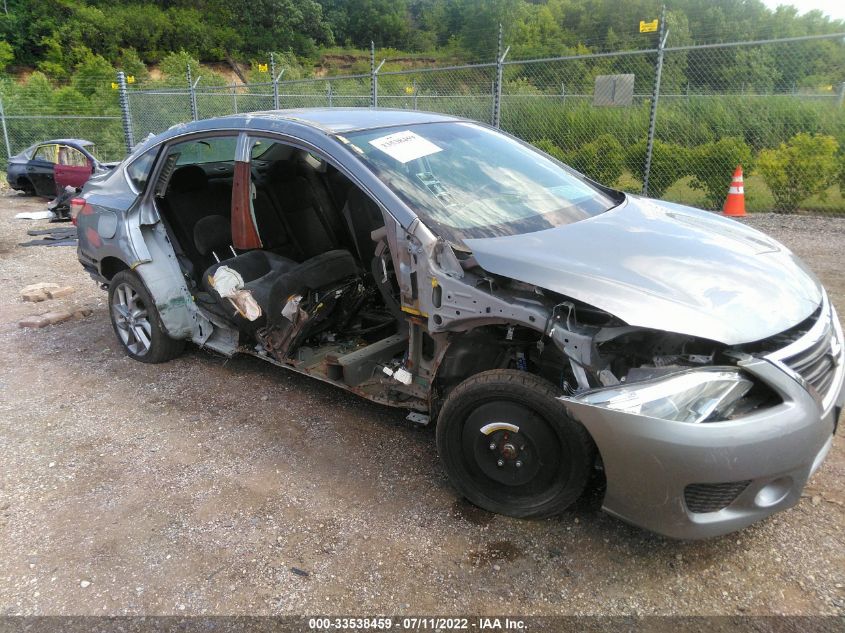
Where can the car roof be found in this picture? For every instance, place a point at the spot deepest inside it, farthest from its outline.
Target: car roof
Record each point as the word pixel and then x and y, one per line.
pixel 348 119
pixel 326 120
pixel 67 141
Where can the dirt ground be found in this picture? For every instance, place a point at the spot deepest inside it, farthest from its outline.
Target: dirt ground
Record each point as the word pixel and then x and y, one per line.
pixel 213 486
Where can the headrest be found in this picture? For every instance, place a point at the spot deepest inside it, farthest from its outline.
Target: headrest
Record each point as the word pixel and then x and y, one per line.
pixel 308 160
pixel 188 178
pixel 212 233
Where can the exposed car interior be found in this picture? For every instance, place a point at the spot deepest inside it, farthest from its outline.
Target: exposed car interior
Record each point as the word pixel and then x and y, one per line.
pixel 321 276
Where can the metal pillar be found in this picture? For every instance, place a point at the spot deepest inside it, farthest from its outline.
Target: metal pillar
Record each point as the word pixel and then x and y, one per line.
pixel 5 131
pixel 497 93
pixel 123 95
pixel 373 77
pixel 275 81
pixel 193 94
pixel 655 95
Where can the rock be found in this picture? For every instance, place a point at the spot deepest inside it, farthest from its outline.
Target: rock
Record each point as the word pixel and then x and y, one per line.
pixel 37 292
pixel 58 293
pixel 34 321
pixel 816 500
pixel 81 313
pixel 84 584
pixel 58 317
pixel 299 572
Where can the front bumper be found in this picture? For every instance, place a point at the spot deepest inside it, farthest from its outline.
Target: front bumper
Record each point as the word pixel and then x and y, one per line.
pixel 649 462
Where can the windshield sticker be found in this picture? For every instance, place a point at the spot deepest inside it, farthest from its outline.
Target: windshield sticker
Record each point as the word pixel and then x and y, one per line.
pixel 405 146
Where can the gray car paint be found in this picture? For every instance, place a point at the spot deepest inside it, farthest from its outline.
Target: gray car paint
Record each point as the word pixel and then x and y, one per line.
pixel 648 461
pixel 667 268
pixel 612 261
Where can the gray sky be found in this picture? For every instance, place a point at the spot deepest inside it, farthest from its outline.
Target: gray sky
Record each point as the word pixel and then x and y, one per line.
pixel 834 8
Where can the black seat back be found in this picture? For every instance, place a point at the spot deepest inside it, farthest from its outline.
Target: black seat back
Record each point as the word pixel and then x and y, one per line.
pixel 363 217
pixel 300 205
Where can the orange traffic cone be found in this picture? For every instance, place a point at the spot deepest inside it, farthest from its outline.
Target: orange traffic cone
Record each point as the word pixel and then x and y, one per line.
pixel 735 202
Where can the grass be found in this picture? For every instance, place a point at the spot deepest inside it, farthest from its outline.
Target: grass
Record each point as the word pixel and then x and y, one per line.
pixel 758 197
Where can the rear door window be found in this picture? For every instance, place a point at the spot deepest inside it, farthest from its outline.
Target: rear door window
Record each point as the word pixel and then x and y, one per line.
pixel 72 157
pixel 139 170
pixel 48 153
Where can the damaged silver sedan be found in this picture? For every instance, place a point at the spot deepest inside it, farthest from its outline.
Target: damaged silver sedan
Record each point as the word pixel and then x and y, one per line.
pixel 552 327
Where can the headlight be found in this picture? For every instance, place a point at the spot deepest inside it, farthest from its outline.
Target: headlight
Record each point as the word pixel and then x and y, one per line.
pixel 691 396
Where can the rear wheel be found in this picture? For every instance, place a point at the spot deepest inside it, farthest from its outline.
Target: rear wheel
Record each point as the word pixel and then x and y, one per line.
pixel 136 321
pixel 509 446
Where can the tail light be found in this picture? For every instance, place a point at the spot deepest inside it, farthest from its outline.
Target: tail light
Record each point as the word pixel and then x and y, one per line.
pixel 77 206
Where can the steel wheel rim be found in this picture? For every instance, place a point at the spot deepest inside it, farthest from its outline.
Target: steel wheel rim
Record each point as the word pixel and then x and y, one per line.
pixel 538 446
pixel 131 320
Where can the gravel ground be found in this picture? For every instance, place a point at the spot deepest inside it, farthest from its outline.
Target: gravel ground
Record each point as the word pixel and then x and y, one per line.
pixel 207 486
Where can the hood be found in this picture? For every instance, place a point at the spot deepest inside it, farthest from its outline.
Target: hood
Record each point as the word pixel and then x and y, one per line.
pixel 664 266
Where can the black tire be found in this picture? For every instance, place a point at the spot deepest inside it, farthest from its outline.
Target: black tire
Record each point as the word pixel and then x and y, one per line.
pixel 546 462
pixel 137 324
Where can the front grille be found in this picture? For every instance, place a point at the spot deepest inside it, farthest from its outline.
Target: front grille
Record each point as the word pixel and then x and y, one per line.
pixel 816 364
pixel 712 497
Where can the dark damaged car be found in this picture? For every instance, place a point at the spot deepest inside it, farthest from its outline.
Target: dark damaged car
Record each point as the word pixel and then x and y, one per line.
pixel 552 327
pixel 46 168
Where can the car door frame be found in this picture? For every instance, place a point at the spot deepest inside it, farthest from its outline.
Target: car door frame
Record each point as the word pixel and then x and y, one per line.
pixel 72 175
pixel 41 172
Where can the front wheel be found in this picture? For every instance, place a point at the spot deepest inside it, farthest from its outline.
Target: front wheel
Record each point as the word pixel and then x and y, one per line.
pixel 509 446
pixel 136 321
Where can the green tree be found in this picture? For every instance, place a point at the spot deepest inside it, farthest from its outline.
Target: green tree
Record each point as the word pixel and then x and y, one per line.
pixel 712 166
pixel 804 166
pixel 602 159
pixel 668 164
pixel 7 55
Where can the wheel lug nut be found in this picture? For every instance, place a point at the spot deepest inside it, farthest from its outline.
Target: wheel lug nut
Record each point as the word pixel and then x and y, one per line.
pixel 500 463
pixel 518 464
pixel 492 446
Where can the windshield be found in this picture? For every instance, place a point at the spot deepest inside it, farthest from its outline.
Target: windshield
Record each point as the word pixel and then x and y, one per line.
pixel 466 181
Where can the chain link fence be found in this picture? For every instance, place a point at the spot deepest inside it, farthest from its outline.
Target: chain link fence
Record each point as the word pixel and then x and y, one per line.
pixel 673 120
pixel 37 113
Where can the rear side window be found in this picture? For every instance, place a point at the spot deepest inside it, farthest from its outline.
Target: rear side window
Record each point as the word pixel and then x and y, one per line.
pixel 49 153
pixel 139 169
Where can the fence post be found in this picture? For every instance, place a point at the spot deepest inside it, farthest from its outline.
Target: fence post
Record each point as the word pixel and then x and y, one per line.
pixel 497 93
pixel 655 95
pixel 373 76
pixel 841 98
pixel 415 93
pixel 123 97
pixel 329 92
pixel 192 93
pixel 5 132
pixel 276 98
pixel 275 81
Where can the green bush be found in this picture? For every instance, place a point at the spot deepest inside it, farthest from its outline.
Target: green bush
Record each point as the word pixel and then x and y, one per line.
pixel 603 159
pixel 804 166
pixel 842 173
pixel 712 166
pixel 669 164
pixel 552 149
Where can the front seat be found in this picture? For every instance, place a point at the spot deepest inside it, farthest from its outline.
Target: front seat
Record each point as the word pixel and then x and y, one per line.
pixel 273 280
pixel 213 237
